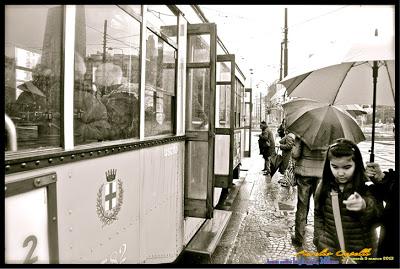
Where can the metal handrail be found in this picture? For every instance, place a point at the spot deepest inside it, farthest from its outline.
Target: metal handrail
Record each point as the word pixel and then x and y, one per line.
pixel 12 133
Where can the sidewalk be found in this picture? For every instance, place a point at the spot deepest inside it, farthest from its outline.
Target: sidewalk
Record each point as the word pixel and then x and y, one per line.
pixel 258 230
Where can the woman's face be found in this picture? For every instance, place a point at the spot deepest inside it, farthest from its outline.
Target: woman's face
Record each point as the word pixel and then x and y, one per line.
pixel 342 168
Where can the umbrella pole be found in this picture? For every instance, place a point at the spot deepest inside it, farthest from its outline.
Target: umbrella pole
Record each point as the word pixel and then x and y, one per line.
pixel 375 78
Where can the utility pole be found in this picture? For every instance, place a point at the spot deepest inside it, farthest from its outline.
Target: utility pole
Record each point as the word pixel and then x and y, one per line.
pixel 281 64
pixel 285 41
pixel 104 41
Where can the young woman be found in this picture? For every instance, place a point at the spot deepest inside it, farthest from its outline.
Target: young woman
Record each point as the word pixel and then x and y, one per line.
pixel 344 173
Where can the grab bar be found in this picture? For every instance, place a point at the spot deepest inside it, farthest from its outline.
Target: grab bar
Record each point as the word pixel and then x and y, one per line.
pixel 12 133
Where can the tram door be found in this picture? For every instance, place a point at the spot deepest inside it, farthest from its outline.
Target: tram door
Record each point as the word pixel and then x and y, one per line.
pixel 248 108
pixel 200 120
pixel 224 105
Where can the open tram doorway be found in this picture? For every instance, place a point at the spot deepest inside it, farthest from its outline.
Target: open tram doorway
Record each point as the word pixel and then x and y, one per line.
pixel 200 120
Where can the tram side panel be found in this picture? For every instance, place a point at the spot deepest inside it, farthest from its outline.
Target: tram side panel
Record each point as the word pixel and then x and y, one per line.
pixel 124 208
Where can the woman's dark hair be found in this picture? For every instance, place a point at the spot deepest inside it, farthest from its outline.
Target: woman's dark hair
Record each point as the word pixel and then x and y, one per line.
pixel 342 148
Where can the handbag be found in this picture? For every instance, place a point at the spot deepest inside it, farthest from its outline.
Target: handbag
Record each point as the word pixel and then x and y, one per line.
pixel 288 179
pixel 339 228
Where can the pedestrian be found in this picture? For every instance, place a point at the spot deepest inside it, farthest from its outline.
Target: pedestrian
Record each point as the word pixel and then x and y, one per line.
pixel 281 129
pixel 386 189
pixel 286 144
pixel 308 172
pixel 266 143
pixel 344 177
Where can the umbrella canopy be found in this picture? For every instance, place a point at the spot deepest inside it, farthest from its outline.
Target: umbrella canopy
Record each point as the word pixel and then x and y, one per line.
pixel 320 124
pixel 353 109
pixel 366 75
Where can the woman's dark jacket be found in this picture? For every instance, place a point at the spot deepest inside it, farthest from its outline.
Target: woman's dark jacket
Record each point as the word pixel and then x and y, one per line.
pixel 285 144
pixel 358 228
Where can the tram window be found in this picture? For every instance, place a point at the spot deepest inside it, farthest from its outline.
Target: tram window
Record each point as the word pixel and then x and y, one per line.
pixel 223 71
pixel 224 106
pixel 107 74
pixel 33 49
pixel 199 51
pixel 160 86
pixel 160 16
pixel 199 103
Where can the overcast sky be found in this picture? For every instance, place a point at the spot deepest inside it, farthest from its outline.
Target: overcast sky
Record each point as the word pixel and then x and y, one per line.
pixel 254 33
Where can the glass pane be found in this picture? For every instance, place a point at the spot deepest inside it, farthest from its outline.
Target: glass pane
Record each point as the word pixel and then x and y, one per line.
pixel 236 148
pixel 223 71
pixel 247 97
pixel 197 168
pixel 199 100
pixel 163 19
pixel 160 86
pixel 106 104
pixel 247 115
pixel 136 9
pixel 199 48
pixel 33 54
pixel 223 104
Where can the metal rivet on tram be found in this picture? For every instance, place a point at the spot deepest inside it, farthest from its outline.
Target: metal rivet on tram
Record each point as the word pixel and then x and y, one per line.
pixel 124 147
pixel 70 229
pixel 5 188
pixel 130 146
pixel 37 162
pixel 53 177
pixel 82 154
pixel 8 167
pixel 70 246
pixel 37 181
pixel 61 158
pixel 70 211
pixel 23 165
pixel 72 156
pixel 106 151
pixel 112 149
pixel 50 160
pixel 54 218
pixel 91 153
pixel 99 151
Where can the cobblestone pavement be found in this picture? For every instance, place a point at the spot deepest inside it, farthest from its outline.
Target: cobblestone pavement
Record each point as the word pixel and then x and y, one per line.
pixel 259 230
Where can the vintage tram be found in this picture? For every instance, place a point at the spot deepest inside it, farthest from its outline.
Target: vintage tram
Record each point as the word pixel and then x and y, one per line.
pixel 123 125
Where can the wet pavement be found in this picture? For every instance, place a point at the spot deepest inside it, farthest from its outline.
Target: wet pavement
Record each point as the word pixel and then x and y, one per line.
pixel 259 230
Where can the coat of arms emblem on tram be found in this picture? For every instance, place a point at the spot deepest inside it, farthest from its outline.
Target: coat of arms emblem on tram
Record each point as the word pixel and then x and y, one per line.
pixel 109 198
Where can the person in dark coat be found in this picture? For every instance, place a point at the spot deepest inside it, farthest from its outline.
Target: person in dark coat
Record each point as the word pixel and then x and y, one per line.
pixel 308 173
pixel 281 129
pixel 286 144
pixel 386 189
pixel 344 173
pixel 266 144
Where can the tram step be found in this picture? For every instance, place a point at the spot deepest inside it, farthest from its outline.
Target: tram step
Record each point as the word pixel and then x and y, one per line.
pixel 206 239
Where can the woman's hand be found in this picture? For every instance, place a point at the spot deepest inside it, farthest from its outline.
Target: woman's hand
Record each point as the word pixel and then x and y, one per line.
pixel 374 172
pixel 355 202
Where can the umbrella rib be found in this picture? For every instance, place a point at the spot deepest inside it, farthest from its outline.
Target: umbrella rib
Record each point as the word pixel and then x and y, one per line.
pixel 390 79
pixel 309 73
pixel 341 83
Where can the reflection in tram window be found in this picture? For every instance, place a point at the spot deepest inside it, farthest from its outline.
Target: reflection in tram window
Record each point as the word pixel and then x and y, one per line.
pixel 199 99
pixel 106 90
pixel 161 18
pixel 33 48
pixel 160 86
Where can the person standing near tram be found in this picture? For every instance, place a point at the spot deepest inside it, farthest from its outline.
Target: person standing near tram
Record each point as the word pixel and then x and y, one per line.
pixel 266 144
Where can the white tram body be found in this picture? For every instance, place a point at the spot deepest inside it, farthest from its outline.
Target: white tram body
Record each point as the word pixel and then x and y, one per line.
pixel 142 195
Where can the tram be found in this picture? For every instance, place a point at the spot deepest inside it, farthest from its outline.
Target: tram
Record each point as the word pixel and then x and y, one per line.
pixel 123 124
